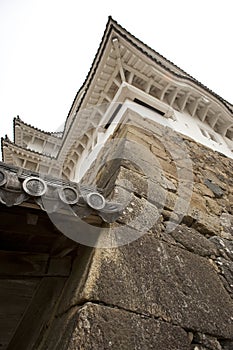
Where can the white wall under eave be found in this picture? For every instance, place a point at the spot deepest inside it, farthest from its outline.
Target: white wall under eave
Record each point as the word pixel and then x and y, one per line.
pixel 187 125
pixel 180 122
pixel 193 127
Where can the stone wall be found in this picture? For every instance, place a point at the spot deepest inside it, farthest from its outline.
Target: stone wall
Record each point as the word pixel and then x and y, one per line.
pixel 165 280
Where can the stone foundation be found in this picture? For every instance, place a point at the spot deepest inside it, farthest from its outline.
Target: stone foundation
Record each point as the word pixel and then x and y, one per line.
pixel 167 281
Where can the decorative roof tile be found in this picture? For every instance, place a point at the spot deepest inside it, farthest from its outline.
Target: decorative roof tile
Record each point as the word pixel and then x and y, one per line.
pixel 18 185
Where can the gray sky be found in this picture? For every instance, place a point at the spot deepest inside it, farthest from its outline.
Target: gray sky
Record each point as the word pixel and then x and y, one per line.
pixel 47 47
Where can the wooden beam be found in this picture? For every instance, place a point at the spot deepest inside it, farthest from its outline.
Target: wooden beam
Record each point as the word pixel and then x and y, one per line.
pixel 15 296
pixel 23 264
pixel 14 222
pixel 116 81
pixel 63 246
pixel 115 42
pixel 131 76
pixel 105 95
pixel 137 64
pixel 107 87
pixel 131 60
pixel 30 329
pixel 60 266
pixel 141 75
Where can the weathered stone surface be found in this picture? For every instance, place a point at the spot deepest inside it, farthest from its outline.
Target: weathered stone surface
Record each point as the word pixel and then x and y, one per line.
pixel 154 192
pixel 159 152
pixel 193 241
pixel 144 160
pixel 226 268
pixel 150 276
pixel 224 247
pixel 203 190
pixel 207 341
pixel 213 176
pixel 227 224
pixel 139 213
pixel 168 167
pixel 198 203
pixel 183 277
pixel 171 202
pixel 75 283
pixel 217 191
pixel 226 344
pixel 98 327
pixel 213 206
pixel 206 224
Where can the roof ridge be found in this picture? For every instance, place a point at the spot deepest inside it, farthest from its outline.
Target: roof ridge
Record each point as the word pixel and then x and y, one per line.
pixel 50 133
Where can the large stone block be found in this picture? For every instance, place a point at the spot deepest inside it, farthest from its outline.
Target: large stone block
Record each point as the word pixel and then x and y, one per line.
pixel 177 276
pixel 98 327
pixel 162 280
pixel 193 241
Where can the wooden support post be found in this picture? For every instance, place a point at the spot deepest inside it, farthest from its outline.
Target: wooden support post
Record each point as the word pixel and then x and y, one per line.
pixel 163 91
pixel 202 113
pixel 193 106
pixel 38 313
pixel 116 47
pixel 213 120
pixel 172 96
pixel 183 100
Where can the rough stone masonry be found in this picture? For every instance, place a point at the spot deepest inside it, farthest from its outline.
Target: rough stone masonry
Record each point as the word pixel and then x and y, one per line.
pixel 163 289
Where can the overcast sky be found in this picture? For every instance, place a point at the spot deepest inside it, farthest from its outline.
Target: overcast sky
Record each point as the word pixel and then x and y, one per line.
pixel 47 47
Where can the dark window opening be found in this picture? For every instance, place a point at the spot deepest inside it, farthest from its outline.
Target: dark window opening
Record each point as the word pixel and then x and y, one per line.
pixel 144 104
pixel 113 116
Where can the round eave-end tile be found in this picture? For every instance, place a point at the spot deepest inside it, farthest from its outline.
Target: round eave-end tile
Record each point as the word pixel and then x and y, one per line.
pixel 95 200
pixel 3 177
pixel 68 195
pixel 34 186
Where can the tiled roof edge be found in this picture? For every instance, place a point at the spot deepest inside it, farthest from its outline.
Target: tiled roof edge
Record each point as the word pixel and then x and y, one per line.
pixel 19 120
pixel 227 104
pixel 112 24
